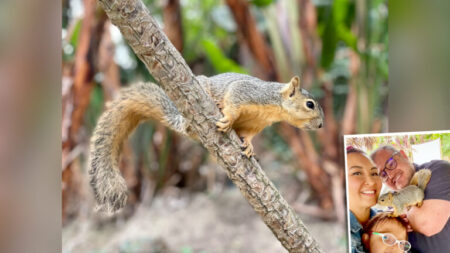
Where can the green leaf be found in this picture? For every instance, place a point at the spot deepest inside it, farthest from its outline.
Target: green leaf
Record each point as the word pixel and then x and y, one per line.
pixel 347 36
pixel 340 8
pixel 75 34
pixel 261 3
pixel 329 42
pixel 219 60
pixel 335 30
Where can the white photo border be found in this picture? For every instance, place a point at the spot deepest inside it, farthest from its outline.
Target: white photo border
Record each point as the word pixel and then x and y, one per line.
pixel 345 166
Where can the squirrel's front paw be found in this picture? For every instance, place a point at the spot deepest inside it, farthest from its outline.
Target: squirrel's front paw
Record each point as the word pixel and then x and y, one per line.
pixel 223 125
pixel 111 193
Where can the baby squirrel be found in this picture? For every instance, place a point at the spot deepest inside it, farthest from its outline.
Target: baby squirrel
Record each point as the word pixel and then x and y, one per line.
pixel 411 195
pixel 247 103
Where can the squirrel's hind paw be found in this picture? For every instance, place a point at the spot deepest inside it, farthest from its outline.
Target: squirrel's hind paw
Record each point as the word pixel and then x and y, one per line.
pixel 247 150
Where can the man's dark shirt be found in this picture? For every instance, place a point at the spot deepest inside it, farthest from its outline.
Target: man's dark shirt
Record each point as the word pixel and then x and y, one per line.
pixel 437 188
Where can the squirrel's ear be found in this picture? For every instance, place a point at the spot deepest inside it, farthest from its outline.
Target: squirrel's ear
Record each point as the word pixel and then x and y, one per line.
pixel 291 87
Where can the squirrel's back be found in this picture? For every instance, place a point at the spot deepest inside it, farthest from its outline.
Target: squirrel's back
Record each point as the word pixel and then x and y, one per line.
pixel 245 89
pixel 409 195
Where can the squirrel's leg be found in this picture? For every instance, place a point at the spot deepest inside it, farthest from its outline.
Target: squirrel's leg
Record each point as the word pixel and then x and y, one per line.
pixel 419 204
pixel 399 211
pixel 247 147
pixel 415 180
pixel 230 114
pixel 394 213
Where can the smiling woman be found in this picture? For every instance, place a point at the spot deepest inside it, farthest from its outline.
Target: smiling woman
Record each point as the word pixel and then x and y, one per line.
pixel 364 185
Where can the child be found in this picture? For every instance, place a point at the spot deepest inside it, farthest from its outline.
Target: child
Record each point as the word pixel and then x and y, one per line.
pixel 384 234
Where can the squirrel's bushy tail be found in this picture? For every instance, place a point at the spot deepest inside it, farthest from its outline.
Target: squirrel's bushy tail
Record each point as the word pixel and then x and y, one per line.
pixel 421 178
pixel 137 103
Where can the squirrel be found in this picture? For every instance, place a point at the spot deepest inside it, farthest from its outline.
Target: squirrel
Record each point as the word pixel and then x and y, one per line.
pixel 248 105
pixel 411 195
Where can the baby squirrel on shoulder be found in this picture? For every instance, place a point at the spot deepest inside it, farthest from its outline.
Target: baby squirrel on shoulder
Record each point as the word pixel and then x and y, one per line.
pixel 248 105
pixel 411 195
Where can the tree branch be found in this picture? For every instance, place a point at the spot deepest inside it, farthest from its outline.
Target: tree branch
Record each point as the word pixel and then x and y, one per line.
pixel 171 71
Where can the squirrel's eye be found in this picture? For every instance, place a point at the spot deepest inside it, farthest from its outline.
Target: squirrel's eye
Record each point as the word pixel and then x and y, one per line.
pixel 310 105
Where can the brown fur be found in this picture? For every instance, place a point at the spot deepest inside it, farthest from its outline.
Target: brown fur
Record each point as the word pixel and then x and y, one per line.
pixel 421 178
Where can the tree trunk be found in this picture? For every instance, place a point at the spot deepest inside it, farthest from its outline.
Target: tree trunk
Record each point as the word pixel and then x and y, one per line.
pixel 171 71
pixel 249 33
pixel 172 23
pixel 84 69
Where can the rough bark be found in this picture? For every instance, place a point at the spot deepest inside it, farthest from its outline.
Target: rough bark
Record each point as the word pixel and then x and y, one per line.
pixel 171 71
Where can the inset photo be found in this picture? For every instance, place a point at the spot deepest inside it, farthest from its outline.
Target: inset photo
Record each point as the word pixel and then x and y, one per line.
pixel 398 191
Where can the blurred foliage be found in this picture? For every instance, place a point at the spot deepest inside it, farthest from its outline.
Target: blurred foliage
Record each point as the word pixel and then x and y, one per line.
pixel 335 22
pixel 272 140
pixel 219 60
pixel 140 142
pixel 261 3
pixel 403 142
pixel 342 24
pixel 209 21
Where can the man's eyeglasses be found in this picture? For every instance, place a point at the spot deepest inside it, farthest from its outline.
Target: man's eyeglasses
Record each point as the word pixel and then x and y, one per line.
pixel 390 164
pixel 390 240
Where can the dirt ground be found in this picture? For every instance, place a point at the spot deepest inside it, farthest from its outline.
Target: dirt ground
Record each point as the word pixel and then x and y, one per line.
pixel 198 223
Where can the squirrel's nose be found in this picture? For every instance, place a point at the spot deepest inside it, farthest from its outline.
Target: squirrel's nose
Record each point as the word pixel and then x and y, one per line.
pixel 320 125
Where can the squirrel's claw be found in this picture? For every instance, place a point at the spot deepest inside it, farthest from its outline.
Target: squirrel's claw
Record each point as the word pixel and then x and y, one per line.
pixel 220 105
pixel 248 153
pixel 247 149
